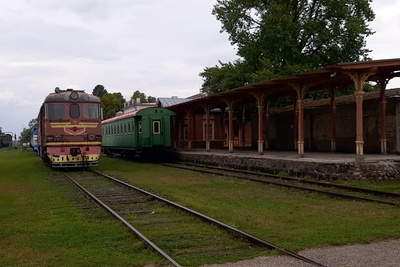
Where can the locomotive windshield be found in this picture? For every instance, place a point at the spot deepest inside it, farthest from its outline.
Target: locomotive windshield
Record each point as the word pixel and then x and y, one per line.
pixel 56 111
pixel 74 111
pixel 91 111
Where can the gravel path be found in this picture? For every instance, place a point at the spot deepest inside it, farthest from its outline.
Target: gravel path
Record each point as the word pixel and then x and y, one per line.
pixel 380 254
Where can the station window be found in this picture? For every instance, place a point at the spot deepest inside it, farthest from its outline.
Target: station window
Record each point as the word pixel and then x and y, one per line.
pixel 210 130
pixel 140 126
pixel 185 132
pixel 156 127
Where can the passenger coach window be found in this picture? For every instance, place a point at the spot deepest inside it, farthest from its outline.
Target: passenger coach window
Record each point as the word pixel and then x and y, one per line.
pixel 55 111
pixel 91 111
pixel 156 127
pixel 74 111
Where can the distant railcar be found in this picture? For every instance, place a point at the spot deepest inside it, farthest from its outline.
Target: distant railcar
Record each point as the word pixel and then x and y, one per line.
pixel 34 139
pixel 69 129
pixel 5 140
pixel 144 133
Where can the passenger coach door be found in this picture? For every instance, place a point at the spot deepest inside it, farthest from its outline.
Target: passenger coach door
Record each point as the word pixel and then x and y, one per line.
pixel 156 133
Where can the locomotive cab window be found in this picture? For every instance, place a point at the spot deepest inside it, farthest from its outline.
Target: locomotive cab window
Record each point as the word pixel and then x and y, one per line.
pixel 156 127
pixel 74 111
pixel 91 111
pixel 55 111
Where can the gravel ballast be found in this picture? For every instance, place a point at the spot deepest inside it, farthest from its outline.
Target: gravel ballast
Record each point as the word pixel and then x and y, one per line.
pixel 380 254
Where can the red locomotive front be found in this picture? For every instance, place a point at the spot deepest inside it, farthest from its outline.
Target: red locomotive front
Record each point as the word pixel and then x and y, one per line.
pixel 69 129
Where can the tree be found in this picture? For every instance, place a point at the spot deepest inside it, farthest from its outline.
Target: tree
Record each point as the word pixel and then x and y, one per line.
pixel 32 123
pixel 26 133
pixel 283 37
pixel 228 76
pixel 151 99
pixel 99 91
pixel 112 103
pixel 142 98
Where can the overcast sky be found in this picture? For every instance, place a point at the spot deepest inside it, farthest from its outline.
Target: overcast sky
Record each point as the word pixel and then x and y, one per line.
pixel 155 46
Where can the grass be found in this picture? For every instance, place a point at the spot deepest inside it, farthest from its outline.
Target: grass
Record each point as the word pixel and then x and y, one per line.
pixel 41 225
pixel 289 218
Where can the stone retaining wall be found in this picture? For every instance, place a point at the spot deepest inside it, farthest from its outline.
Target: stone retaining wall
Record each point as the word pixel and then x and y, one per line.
pixel 324 171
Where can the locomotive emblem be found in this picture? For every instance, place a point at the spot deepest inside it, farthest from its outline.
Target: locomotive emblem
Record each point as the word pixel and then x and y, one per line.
pixel 74 129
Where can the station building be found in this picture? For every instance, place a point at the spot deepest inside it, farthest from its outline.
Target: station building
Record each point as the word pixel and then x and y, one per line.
pixel 241 118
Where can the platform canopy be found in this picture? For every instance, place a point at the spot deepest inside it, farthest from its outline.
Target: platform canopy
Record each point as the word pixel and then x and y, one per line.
pixel 320 79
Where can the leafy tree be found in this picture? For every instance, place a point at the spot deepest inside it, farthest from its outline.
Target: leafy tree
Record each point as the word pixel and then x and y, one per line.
pixel 151 99
pixel 32 123
pixel 228 76
pixel 26 133
pixel 282 37
pixel 99 91
pixel 112 103
pixel 25 136
pixel 143 98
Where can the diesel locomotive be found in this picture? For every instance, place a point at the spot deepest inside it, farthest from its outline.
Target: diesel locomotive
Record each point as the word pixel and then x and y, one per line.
pixel 69 129
pixel 144 133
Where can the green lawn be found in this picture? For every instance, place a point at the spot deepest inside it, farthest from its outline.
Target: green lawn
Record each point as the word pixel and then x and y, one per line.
pixel 41 226
pixel 42 222
pixel 292 219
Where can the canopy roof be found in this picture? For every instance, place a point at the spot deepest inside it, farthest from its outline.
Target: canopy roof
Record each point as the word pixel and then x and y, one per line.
pixel 319 79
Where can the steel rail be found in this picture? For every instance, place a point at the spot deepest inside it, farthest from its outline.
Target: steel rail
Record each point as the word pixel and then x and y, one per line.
pixel 143 238
pixel 248 236
pixel 320 183
pixel 339 195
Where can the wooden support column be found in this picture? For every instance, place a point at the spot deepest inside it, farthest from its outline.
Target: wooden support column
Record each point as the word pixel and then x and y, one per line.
pixel 243 131
pixel 207 128
pixel 260 130
pixel 301 90
pixel 180 132
pixel 296 124
pixel 359 124
pixel 333 123
pixel 231 105
pixel 359 77
pixel 260 105
pixel 191 133
pixel 266 143
pixel 383 139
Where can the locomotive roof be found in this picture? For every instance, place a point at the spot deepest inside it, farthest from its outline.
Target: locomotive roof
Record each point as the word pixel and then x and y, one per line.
pixel 65 96
pixel 141 112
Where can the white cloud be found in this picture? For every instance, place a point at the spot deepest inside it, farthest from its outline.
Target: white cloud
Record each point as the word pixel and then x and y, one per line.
pixel 156 46
pixel 10 99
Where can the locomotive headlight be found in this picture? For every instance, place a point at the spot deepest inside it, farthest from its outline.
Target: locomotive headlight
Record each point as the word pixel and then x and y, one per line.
pixel 49 138
pixel 92 137
pixel 58 138
pixel 74 96
pixel 98 138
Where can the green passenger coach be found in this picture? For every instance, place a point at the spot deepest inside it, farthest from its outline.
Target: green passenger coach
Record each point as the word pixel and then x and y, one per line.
pixel 138 133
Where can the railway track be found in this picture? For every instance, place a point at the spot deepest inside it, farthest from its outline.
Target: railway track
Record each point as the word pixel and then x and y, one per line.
pixel 324 188
pixel 177 233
